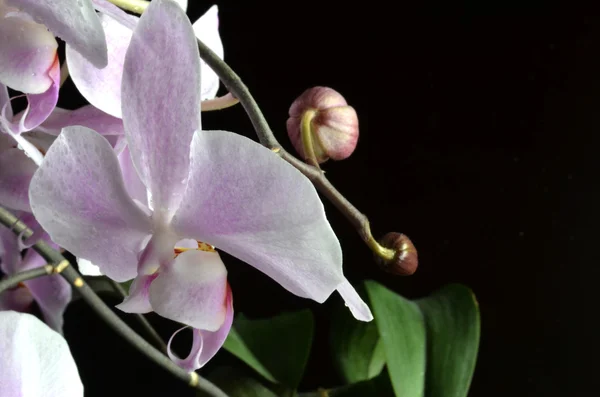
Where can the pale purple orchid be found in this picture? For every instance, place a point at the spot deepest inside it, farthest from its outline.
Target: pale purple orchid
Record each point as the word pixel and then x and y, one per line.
pixel 102 86
pixel 52 294
pixel 214 187
pixel 35 361
pixel 28 58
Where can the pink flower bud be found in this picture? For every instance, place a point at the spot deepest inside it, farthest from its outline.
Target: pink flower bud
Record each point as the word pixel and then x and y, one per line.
pixel 333 124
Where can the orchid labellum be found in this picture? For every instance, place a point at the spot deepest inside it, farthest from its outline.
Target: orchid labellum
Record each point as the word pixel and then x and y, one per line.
pixel 205 189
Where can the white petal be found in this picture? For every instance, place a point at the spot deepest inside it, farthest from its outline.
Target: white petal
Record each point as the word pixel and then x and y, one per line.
pixel 35 360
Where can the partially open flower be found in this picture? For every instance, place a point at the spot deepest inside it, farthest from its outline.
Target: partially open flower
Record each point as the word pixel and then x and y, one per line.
pixel 322 121
pixel 406 261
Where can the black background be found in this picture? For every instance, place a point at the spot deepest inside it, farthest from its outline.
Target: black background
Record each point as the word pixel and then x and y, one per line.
pixel 478 140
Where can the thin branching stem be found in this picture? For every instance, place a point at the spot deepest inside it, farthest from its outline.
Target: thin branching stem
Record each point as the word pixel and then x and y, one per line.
pixel 237 88
pixel 60 265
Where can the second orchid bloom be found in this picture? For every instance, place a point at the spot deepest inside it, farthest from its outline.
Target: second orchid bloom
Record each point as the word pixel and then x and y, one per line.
pixel 204 189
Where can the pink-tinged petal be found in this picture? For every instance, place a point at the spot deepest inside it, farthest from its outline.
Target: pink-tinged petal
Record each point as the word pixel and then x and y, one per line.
pixel 16 171
pixel 205 344
pixel 206 29
pixel 161 101
pixel 27 52
pixel 87 268
pixel 74 21
pixel 79 198
pixel 102 87
pixel 212 341
pixel 192 290
pixel 138 301
pixel 52 293
pixel 35 360
pixel 247 201
pixel 87 116
pixel 354 302
pixel 39 106
pixel 134 185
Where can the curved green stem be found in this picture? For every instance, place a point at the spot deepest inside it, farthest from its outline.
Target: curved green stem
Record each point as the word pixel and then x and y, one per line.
pixel 14 279
pixel 238 89
pixel 136 6
pixel 266 137
pixel 60 265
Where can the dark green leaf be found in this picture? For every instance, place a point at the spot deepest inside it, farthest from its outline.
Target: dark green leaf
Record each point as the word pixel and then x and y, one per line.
pixel 357 349
pixel 402 330
pixel 126 284
pixel 236 384
pixel 379 386
pixel 236 345
pixel 452 321
pixel 277 348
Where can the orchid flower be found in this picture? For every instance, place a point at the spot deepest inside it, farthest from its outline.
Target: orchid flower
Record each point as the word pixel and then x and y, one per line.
pixel 28 52
pixel 102 87
pixel 52 294
pixel 205 189
pixel 35 360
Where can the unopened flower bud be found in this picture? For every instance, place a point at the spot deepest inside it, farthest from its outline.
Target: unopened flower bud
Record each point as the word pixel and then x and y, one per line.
pixel 406 261
pixel 332 123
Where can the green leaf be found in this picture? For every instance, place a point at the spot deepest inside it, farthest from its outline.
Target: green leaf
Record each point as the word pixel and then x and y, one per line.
pixel 378 386
pixel 402 330
pixel 277 348
pixel 126 284
pixel 357 348
pixel 453 325
pixel 236 345
pixel 430 344
pixel 235 384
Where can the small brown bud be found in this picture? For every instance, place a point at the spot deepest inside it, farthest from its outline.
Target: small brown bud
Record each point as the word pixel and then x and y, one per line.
pixel 405 261
pixel 334 124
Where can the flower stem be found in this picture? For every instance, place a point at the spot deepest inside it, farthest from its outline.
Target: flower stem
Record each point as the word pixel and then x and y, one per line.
pixel 238 89
pixel 14 279
pixel 266 137
pixel 60 265
pixel 136 6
